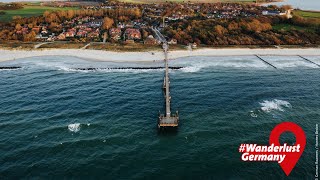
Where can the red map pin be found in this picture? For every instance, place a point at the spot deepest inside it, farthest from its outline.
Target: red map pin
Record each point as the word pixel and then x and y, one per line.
pixel 291 158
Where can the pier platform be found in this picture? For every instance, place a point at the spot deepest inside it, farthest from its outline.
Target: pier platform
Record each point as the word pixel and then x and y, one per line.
pixel 171 121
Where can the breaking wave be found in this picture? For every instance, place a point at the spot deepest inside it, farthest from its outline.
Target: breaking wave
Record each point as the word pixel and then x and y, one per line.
pixel 74 127
pixel 275 104
pixel 191 69
pixel 106 70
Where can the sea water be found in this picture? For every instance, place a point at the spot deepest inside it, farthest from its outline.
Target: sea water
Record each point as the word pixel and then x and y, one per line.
pixel 59 122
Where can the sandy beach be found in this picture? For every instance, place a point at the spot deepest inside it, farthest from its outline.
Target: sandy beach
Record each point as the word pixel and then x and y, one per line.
pixel 99 55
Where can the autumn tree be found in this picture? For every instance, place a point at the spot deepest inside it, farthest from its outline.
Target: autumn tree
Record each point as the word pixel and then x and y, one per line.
pixel 286 7
pixel 30 36
pixel 70 14
pixel 220 30
pixel 18 27
pixel 107 23
pixel 30 25
pixel 137 13
pixel 233 26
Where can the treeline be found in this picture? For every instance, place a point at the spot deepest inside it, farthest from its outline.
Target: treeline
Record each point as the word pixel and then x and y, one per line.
pixel 308 22
pixel 120 15
pixel 245 31
pixel 10 6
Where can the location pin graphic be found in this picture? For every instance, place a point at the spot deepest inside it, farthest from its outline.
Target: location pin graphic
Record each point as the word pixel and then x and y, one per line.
pixel 291 158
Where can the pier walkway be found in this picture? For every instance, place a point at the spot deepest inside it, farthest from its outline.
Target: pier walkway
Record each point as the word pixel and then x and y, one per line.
pixel 169 119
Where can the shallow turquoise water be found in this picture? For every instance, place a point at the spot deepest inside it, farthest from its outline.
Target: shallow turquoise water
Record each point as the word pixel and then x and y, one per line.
pixel 222 101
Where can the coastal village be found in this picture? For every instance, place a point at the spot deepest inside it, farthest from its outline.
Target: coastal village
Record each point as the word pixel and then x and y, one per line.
pixel 130 23
pixel 89 28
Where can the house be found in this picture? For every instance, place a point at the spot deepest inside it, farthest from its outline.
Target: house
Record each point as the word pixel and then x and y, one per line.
pixel 173 41
pixel 96 23
pixel 44 32
pixel 151 40
pixel 36 29
pixel 272 13
pixel 129 25
pixel 82 33
pixel 132 34
pixel 25 30
pixel 120 25
pixel 41 38
pixel 82 26
pixel 194 45
pixel 70 34
pixel 62 36
pixel 94 34
pixel 52 37
pixel 115 33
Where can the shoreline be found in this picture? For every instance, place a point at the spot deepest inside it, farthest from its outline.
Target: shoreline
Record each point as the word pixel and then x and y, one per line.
pixel 112 56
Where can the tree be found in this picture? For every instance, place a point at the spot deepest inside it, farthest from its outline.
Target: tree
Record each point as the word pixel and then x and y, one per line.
pixel 18 27
pixel 137 13
pixel 107 23
pixel 286 7
pixel 30 25
pixel 46 14
pixel 29 37
pixel 70 14
pixel 144 33
pixel 233 26
pixel 220 30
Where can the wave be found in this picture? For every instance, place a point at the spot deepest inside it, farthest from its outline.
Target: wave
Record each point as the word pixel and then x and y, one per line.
pixel 274 104
pixel 106 70
pixel 293 64
pixel 191 69
pixel 189 64
pixel 74 127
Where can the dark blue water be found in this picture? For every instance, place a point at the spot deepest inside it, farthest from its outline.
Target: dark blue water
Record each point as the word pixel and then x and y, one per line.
pixel 112 116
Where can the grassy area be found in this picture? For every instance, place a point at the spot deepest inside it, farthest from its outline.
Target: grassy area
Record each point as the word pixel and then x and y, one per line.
pixel 136 47
pixel 307 14
pixel 17 45
pixel 28 11
pixel 287 27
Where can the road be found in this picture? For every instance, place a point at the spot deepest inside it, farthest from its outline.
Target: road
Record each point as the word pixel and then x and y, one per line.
pixel 159 36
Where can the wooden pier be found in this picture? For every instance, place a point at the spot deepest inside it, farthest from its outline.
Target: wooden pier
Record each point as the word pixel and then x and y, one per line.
pixel 168 119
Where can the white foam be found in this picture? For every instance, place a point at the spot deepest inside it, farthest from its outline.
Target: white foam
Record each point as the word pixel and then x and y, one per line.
pixel 252 114
pixel 190 69
pixel 294 64
pixel 62 68
pixel 74 127
pixel 104 70
pixel 275 104
pixel 194 64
